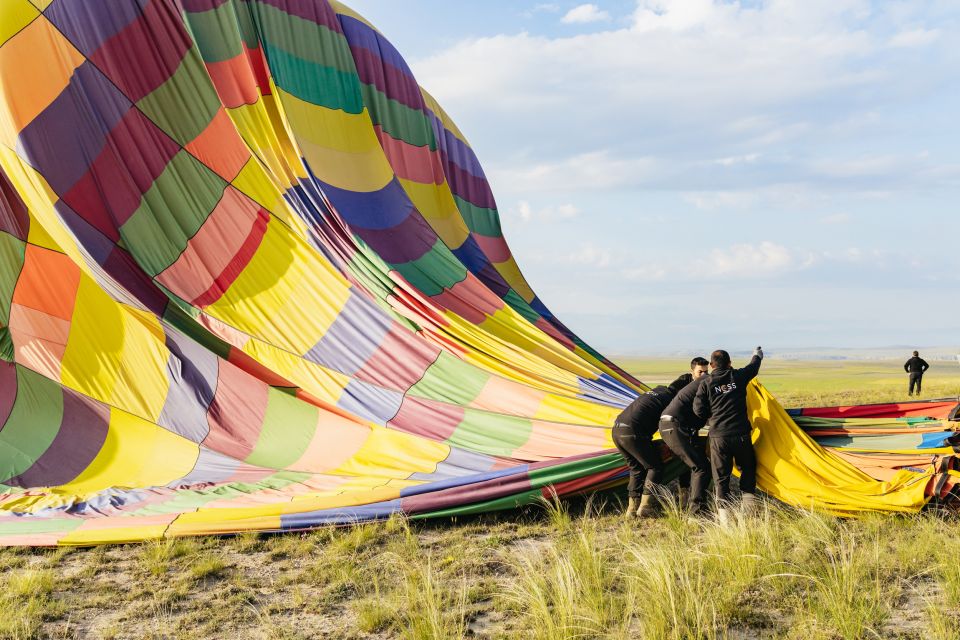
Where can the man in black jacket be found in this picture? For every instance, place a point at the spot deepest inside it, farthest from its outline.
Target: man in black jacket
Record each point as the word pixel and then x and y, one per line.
pixel 915 366
pixel 679 428
pixel 633 437
pixel 722 399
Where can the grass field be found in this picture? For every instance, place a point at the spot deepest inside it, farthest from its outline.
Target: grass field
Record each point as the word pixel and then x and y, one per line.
pixel 574 570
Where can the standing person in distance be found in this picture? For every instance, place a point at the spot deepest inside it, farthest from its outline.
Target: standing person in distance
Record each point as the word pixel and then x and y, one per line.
pixel 633 436
pixel 915 366
pixel 679 428
pixel 722 399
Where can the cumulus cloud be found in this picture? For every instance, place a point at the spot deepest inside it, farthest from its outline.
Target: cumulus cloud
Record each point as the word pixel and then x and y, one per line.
pixel 585 13
pixel 524 212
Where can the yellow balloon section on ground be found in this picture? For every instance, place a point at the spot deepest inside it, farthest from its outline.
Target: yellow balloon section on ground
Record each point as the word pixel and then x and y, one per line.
pixel 252 277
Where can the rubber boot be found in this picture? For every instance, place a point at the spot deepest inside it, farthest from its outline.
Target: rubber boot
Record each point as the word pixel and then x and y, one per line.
pixel 749 504
pixel 683 497
pixel 632 505
pixel 724 517
pixel 649 506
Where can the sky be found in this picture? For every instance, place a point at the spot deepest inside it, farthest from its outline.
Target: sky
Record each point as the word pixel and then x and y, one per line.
pixel 686 174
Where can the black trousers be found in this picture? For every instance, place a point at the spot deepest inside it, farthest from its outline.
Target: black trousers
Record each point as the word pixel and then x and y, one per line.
pixel 724 451
pixel 642 458
pixel 690 450
pixel 915 380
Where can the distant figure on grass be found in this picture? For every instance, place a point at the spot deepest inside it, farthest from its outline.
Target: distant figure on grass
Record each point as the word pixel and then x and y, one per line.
pixel 633 436
pixel 915 366
pixel 679 428
pixel 722 399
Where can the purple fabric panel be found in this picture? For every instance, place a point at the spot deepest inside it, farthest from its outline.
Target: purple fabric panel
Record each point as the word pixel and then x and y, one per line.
pixel 360 35
pixel 199 6
pixel 63 140
pixel 346 515
pixel 494 281
pixel 469 187
pixel 389 80
pixel 454 150
pixel 8 390
pixel 89 23
pixel 458 464
pixel 90 238
pixel 370 402
pixel 82 433
pixel 318 11
pixel 192 371
pixel 124 270
pixel 212 468
pixel 353 337
pixel 409 240
pixel 382 209
pixel 463 480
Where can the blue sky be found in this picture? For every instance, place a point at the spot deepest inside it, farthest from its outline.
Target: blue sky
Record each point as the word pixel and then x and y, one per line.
pixel 683 174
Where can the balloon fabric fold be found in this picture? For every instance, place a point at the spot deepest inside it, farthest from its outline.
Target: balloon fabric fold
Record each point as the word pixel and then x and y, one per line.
pixel 252 278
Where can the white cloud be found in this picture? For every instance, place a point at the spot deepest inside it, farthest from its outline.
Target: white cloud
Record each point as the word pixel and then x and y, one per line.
pixel 585 13
pixel 746 260
pixel 524 212
pixel 915 38
pixel 836 218
pixel 590 256
pixel 581 172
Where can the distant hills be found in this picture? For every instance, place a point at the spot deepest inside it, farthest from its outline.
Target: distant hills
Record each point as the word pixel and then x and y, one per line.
pixel 940 353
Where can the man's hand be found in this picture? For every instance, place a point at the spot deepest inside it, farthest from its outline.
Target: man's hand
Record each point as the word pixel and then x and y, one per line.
pixel 758 352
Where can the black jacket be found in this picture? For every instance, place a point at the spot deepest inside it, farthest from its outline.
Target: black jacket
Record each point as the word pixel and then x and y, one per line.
pixel 722 399
pixel 915 364
pixel 643 414
pixel 681 408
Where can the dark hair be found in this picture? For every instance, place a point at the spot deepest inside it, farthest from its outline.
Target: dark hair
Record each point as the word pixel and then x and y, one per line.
pixel 698 362
pixel 720 359
pixel 916 353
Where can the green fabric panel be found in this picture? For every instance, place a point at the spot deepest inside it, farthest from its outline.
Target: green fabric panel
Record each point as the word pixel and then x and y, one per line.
pixel 171 212
pixel 491 433
pixel 25 526
pixel 450 379
pixel 33 423
pixel 434 271
pixel 183 321
pixel 521 306
pixel 245 21
pixel 288 428
pixel 506 503
pixel 185 104
pixel 11 262
pixel 312 82
pixel 480 220
pixel 398 120
pixel 6 345
pixel 215 32
pixel 312 42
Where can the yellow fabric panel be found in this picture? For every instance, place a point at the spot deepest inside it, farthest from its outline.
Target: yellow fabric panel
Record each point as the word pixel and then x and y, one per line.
pixel 331 128
pixel 41 4
pixel 287 294
pixel 394 454
pixel 363 172
pixel 793 468
pixel 254 126
pixel 511 273
pixel 437 206
pixel 119 530
pixel 136 454
pixel 113 356
pixel 557 409
pixel 447 121
pixel 214 521
pixel 14 16
pixel 254 182
pixel 325 384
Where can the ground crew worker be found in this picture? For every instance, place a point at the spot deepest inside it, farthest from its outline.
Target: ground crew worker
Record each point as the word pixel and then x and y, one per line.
pixel 679 428
pixel 722 399
pixel 633 436
pixel 915 366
